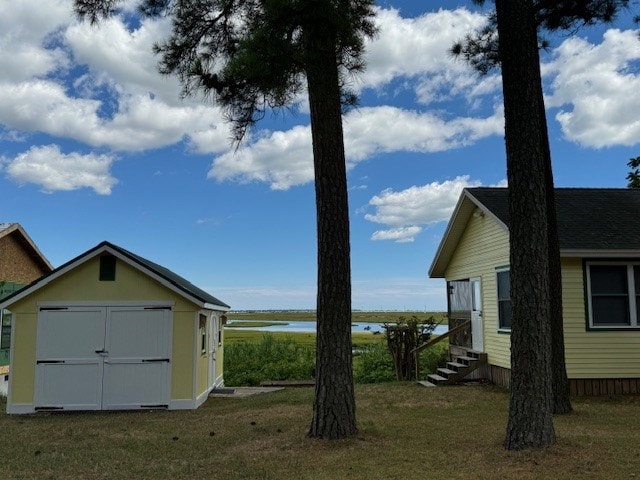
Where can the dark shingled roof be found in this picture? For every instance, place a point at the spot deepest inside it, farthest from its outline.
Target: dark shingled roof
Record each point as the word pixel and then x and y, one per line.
pixel 174 279
pixel 588 218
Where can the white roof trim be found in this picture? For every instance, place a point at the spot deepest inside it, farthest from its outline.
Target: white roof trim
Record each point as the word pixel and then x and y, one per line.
pixel 443 255
pixel 577 253
pixel 219 308
pixel 487 211
pixel 12 227
pixel 38 284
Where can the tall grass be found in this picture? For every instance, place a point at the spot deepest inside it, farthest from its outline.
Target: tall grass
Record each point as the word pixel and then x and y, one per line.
pixel 373 363
pixel 278 358
pixel 248 364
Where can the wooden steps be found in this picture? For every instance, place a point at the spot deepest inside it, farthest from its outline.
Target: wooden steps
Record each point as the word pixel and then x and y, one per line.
pixel 457 369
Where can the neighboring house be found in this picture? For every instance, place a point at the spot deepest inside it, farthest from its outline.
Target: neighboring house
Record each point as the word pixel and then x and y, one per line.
pixel 111 330
pixel 20 263
pixel 599 232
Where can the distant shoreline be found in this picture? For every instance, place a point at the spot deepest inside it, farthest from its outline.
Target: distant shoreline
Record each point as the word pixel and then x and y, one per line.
pixel 357 315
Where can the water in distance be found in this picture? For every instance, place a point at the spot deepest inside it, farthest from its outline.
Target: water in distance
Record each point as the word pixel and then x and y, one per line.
pixel 310 326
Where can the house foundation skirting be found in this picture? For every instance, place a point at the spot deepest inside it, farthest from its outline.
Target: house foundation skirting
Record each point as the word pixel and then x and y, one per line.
pixel 579 387
pixel 499 376
pixel 604 386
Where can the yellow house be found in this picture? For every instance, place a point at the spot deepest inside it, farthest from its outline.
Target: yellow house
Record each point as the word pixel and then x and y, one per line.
pixel 599 237
pixel 111 330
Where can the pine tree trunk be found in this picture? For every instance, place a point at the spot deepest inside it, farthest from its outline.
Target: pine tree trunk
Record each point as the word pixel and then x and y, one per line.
pixel 561 402
pixel 334 403
pixel 530 423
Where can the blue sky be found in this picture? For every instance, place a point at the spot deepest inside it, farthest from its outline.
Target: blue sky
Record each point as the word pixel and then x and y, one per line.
pixel 95 145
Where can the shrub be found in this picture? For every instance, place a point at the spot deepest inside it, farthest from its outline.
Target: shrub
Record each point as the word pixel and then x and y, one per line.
pixel 432 358
pixel 248 364
pixel 403 337
pixel 373 364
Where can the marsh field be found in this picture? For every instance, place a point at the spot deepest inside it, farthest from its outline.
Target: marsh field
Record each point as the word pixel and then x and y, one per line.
pixel 356 316
pixel 252 357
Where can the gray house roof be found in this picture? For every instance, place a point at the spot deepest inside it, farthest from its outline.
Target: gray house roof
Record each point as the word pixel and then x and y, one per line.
pixel 588 218
pixel 165 276
pixel 591 221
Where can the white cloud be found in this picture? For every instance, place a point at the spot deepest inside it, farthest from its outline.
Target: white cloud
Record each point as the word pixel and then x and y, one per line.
pixel 24 27
pixel 419 48
pixel 124 58
pixel 597 88
pixel 140 122
pixel 406 210
pixel 53 170
pixel 122 103
pixel 399 235
pixel 284 159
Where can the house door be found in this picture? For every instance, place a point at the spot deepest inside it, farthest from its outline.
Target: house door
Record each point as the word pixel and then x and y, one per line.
pixel 477 331
pixel 93 358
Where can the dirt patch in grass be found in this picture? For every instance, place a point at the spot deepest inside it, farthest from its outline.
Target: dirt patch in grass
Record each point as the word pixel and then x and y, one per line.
pixel 406 432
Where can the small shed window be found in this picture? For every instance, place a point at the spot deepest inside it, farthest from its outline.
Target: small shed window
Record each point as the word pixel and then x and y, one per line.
pixel 107 268
pixel 5 337
pixel 202 330
pixel 504 299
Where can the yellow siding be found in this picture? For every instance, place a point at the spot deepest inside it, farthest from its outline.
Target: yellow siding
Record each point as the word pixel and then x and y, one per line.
pixel 182 356
pixel 589 354
pixel 82 284
pixel 23 357
pixel 483 246
pixel 593 354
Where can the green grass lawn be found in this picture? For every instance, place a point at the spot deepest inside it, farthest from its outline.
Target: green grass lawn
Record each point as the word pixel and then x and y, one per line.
pixel 406 432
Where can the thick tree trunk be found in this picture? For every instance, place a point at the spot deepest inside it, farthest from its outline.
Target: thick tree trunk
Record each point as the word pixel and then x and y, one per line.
pixel 530 422
pixel 334 403
pixel 561 401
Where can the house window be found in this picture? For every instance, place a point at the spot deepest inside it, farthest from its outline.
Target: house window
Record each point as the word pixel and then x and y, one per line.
pixel 202 330
pixel 613 293
pixel 107 268
pixel 504 299
pixel 5 333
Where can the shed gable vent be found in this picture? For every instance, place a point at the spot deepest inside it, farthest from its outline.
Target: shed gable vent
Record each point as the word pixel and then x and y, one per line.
pixel 107 268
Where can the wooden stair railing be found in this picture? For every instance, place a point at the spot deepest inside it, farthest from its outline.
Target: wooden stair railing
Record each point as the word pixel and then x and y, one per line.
pixel 439 338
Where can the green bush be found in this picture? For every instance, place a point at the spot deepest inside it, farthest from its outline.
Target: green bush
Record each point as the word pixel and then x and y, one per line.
pixel 373 364
pixel 248 364
pixel 432 358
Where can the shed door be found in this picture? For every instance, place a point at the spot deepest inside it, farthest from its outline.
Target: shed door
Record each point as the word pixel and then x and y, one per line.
pixel 137 358
pixel 103 358
pixel 68 370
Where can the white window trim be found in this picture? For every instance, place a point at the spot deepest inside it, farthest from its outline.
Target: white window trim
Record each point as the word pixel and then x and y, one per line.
pixel 634 321
pixel 500 328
